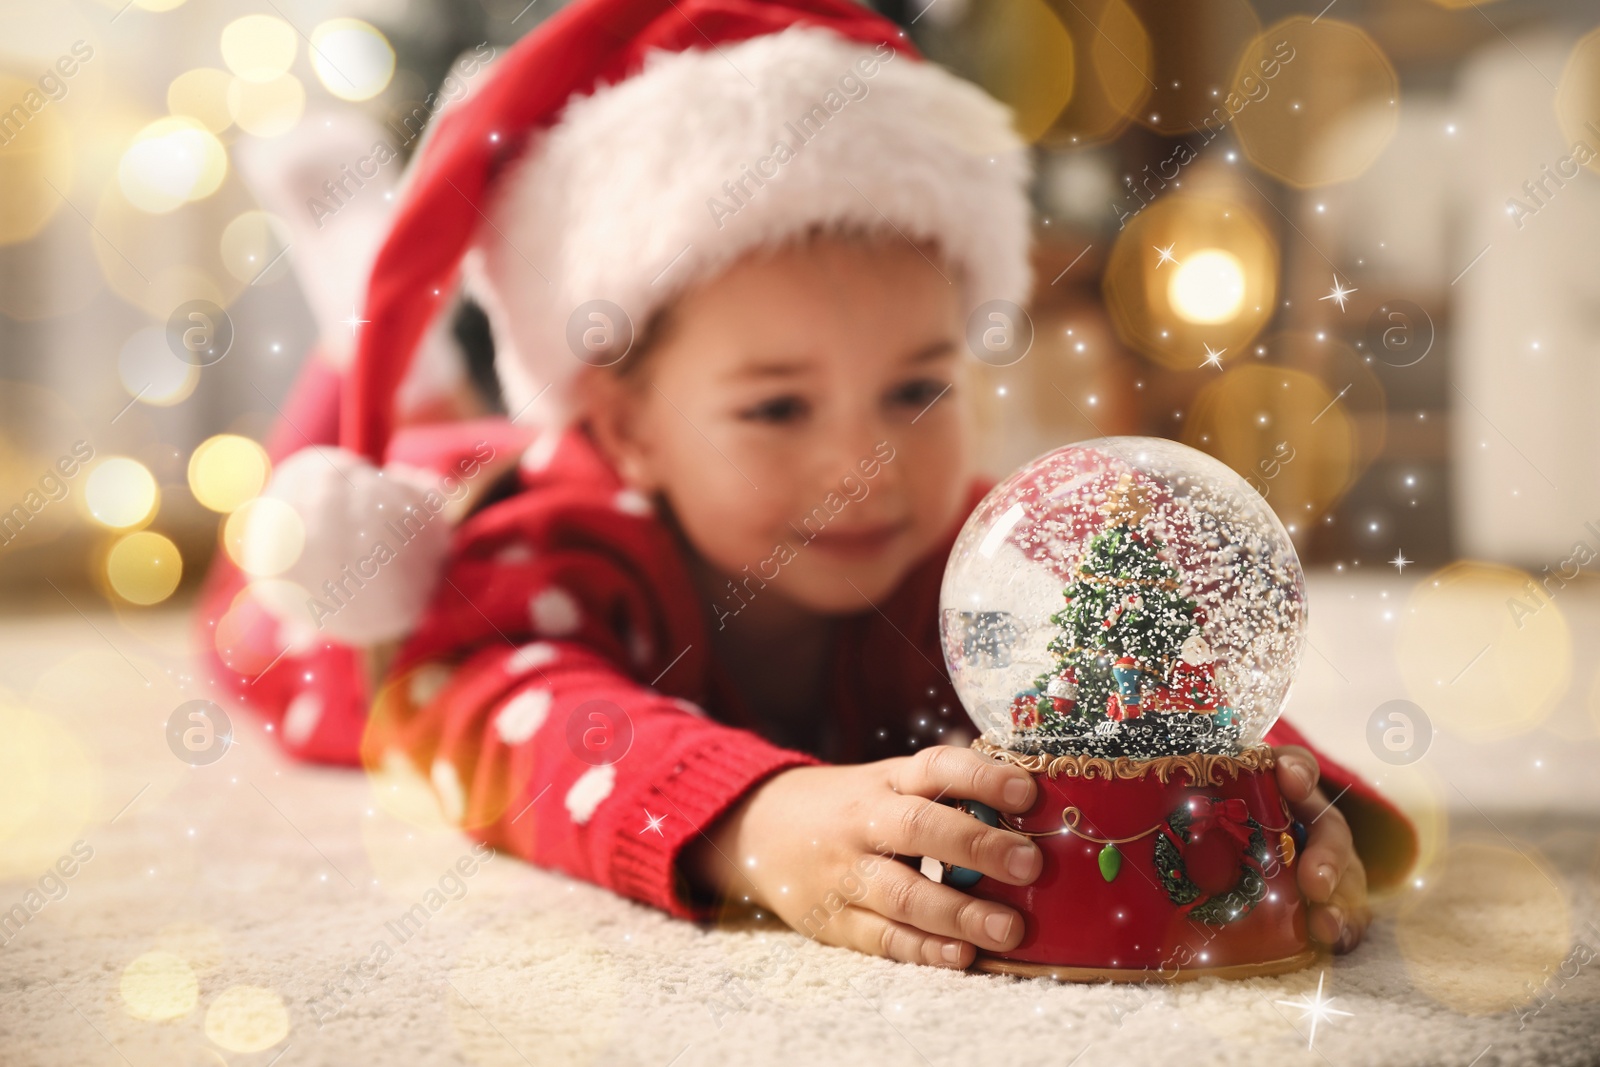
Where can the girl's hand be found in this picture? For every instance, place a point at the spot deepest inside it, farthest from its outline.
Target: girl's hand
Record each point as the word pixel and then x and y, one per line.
pixel 1330 873
pixel 815 846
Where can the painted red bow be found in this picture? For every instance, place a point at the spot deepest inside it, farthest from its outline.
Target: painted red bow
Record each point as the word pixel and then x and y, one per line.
pixel 1232 817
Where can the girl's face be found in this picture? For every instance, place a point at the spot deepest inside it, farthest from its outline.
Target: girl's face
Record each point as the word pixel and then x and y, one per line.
pixel 804 417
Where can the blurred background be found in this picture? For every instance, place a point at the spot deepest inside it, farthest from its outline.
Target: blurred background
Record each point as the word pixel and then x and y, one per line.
pixel 1346 246
pixel 1375 215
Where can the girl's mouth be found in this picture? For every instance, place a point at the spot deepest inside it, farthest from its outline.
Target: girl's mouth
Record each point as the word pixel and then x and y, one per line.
pixel 864 542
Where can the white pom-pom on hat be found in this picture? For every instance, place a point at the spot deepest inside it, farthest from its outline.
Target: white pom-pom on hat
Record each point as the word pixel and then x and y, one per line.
pixel 376 541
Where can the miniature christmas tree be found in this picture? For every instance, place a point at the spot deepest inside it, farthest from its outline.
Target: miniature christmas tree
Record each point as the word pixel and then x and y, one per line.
pixel 1123 630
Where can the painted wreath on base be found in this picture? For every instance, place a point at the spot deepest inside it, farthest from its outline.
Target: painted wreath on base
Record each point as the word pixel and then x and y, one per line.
pixel 1209 856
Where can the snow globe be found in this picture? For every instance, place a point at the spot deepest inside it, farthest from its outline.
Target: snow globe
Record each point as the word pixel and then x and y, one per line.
pixel 1123 618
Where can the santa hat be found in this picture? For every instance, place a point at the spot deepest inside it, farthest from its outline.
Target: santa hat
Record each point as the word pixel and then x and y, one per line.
pixel 624 152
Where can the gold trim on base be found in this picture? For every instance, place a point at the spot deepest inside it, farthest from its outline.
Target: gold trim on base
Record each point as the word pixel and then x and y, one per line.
pixel 1020 969
pixel 1203 768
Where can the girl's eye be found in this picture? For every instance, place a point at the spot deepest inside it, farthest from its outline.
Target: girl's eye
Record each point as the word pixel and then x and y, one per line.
pixel 777 411
pixel 919 393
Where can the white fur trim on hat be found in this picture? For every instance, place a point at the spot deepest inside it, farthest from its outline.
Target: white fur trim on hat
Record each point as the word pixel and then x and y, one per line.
pixel 664 180
pixel 374 547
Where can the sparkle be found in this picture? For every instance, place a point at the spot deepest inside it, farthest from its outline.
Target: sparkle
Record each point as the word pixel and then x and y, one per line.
pixel 1165 254
pixel 654 823
pixel 1213 358
pixel 1400 562
pixel 1339 294
pixel 354 320
pixel 1314 1008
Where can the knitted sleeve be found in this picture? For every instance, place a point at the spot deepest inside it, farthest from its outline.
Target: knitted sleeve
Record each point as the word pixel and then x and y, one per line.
pixel 547 751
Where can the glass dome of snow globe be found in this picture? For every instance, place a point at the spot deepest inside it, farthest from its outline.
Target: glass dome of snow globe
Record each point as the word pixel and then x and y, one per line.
pixel 1124 597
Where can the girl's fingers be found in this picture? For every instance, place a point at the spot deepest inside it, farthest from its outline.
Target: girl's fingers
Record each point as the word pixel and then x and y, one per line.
pixel 1351 899
pixel 899 893
pixel 1298 772
pixel 866 931
pixel 1329 851
pixel 944 771
pixel 915 826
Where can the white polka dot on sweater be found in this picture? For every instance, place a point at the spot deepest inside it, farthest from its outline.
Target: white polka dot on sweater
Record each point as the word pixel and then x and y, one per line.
pixel 542 451
pixel 514 553
pixel 529 657
pixel 690 706
pixel 300 721
pixel 631 502
pixel 426 683
pixel 447 784
pixel 593 786
pixel 555 613
pixel 522 716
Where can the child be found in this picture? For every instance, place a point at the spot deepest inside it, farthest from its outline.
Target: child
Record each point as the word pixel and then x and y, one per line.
pixel 733 281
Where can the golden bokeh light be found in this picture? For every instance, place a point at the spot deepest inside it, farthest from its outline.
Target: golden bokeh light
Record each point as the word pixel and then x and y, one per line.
pixel 1457 947
pixel 1285 433
pixel 264 537
pixel 49 787
pixel 1020 52
pixel 1216 292
pixel 145 265
pixel 202 94
pixel 120 492
pixel 158 986
pixel 197 943
pixel 353 59
pixel 170 162
pixel 1349 375
pixel 247 1018
pixel 149 371
pixel 267 109
pixel 1330 111
pixel 1112 68
pixel 1207 287
pixel 1578 107
pixel 1485 650
pixel 259 48
pixel 1190 80
pixel 227 470
pixel 33 158
pixel 144 568
pixel 402 790
pixel 253 245
pixel 407 841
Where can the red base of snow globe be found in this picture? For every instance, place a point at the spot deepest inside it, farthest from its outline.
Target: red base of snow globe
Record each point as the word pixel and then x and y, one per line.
pixel 1166 869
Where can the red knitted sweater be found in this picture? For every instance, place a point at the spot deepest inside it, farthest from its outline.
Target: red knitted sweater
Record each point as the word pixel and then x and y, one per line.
pixel 560 693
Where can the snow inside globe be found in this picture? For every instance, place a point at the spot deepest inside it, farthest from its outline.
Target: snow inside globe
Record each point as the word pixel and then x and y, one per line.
pixel 1124 597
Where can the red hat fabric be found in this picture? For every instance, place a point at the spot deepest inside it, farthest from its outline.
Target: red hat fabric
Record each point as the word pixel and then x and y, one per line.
pixel 588 44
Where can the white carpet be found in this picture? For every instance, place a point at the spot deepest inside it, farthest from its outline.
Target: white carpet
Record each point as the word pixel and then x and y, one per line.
pixel 284 879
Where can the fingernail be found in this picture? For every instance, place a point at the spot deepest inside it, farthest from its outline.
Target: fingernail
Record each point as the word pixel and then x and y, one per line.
pixel 998 927
pixel 951 952
pixel 1338 918
pixel 1303 775
pixel 1327 874
pixel 1020 862
pixel 1015 793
